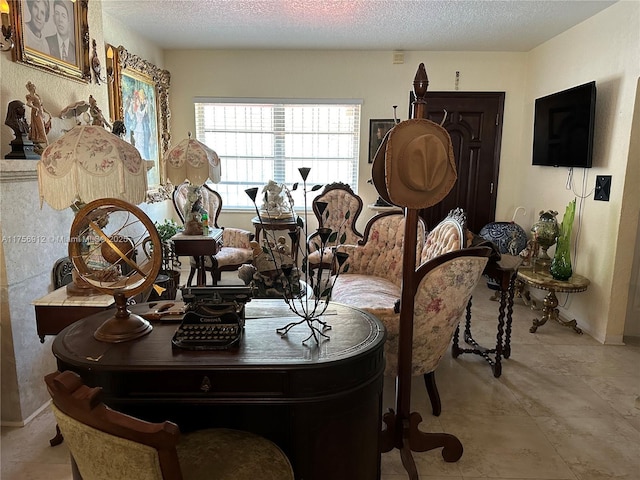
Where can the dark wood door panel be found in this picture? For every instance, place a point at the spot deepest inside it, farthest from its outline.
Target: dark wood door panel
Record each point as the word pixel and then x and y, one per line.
pixel 473 120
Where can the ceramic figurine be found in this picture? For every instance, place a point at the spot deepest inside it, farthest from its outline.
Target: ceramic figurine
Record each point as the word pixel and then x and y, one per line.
pixel 39 127
pixel 96 114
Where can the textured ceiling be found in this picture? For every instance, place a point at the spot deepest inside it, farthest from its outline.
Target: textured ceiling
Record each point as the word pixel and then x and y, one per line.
pixel 477 25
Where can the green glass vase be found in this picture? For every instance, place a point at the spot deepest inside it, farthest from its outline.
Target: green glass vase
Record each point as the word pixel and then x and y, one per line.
pixel 561 263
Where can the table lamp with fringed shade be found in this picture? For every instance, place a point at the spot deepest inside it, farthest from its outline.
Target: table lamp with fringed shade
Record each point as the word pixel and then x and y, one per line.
pixel 192 161
pixel 88 163
pixel 85 164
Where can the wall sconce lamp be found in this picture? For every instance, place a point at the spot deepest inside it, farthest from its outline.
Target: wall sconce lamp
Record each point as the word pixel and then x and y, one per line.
pixel 7 31
pixel 110 66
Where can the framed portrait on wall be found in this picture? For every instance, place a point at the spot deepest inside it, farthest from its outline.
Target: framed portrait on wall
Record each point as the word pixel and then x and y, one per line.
pixel 377 130
pixel 53 35
pixel 139 97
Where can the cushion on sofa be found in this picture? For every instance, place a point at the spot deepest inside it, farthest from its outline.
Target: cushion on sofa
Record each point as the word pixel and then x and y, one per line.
pixel 366 291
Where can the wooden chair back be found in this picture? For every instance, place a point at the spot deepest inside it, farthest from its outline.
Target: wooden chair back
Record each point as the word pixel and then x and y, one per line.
pixel 340 199
pixel 343 207
pixel 109 445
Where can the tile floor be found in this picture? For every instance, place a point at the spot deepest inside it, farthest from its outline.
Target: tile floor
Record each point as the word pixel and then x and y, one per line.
pixel 565 407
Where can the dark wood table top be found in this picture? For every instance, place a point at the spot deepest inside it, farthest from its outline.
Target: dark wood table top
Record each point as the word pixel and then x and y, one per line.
pixel 353 332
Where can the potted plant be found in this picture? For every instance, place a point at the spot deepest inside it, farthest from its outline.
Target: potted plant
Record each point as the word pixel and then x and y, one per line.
pixel 170 263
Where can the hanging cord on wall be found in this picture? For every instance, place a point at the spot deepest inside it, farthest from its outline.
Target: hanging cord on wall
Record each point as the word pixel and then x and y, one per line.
pixel 581 196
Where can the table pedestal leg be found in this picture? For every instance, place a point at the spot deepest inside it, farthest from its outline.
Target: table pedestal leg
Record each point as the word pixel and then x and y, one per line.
pixel 550 312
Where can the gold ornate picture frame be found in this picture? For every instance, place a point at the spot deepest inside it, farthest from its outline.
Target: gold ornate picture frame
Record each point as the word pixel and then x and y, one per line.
pixel 139 97
pixel 53 36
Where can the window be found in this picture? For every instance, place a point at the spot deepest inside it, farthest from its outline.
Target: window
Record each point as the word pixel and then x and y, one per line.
pixel 260 140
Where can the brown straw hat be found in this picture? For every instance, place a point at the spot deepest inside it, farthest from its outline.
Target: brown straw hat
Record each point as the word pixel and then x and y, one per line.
pixel 420 168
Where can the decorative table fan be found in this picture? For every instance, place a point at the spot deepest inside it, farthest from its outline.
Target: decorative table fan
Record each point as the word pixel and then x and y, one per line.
pixel 106 248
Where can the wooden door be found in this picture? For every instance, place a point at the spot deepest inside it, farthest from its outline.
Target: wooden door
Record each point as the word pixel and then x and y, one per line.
pixel 474 122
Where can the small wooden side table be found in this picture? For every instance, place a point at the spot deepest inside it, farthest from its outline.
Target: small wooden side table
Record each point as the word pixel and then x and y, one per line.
pixel 198 246
pixel 503 272
pixel 544 281
pixel 58 309
pixel 289 224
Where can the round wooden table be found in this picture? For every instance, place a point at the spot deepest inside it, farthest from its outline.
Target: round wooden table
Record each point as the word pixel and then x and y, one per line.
pixel 544 281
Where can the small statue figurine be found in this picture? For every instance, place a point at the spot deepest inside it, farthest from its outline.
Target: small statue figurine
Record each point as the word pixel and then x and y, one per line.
pixel 21 146
pixel 274 205
pixel 96 114
pixel 39 127
pixel 16 119
pixel 193 212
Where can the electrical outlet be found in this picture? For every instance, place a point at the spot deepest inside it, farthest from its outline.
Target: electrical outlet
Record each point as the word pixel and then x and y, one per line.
pixel 603 188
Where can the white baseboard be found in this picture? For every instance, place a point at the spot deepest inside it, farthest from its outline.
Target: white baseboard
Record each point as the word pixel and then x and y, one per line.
pixel 28 419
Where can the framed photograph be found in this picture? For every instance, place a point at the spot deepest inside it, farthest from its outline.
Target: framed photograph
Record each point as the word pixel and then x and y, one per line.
pixel 139 97
pixel 53 35
pixel 377 130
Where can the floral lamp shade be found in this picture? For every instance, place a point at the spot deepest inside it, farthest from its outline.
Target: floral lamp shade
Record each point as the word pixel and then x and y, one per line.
pixel 88 163
pixel 194 161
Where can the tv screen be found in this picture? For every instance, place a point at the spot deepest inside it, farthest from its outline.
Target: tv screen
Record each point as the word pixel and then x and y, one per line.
pixel 563 127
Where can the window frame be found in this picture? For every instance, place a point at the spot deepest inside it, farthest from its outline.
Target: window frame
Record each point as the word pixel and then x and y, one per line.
pixel 281 171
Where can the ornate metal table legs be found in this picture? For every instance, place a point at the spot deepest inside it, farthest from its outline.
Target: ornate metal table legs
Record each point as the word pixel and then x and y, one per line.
pixel 550 312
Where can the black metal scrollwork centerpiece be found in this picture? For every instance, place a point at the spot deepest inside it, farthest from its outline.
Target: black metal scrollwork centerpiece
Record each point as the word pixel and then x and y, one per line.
pixel 309 298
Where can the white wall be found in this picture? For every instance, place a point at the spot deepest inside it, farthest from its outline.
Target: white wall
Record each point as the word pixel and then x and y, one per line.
pixel 606 49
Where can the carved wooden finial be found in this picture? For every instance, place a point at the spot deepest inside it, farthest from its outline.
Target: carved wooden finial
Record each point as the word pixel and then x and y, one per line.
pixel 420 82
pixel 420 85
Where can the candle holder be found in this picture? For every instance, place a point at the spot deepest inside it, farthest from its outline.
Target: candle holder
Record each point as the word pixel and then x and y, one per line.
pixel 311 302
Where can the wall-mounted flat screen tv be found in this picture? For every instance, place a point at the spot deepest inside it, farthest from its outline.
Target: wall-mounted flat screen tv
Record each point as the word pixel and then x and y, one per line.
pixel 563 127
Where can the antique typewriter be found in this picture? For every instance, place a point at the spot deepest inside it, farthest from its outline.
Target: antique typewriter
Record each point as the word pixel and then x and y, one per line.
pixel 214 318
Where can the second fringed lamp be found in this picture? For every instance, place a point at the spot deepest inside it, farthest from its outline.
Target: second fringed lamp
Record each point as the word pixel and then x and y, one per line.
pixel 192 161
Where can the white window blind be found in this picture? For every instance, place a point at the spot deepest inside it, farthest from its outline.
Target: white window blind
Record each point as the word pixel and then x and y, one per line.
pixel 261 140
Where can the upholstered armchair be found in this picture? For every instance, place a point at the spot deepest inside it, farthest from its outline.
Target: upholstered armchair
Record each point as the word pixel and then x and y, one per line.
pixel 108 445
pixel 235 249
pixel 337 208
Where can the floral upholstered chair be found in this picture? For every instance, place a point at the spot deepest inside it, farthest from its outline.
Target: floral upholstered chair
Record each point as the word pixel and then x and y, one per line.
pixel 445 285
pixel 108 445
pixel 235 249
pixel 337 208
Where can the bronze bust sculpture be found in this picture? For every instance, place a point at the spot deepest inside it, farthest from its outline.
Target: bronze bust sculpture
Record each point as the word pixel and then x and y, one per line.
pixel 16 119
pixel 21 146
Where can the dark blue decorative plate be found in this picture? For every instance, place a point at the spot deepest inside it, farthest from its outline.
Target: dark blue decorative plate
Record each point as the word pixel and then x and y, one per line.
pixel 509 237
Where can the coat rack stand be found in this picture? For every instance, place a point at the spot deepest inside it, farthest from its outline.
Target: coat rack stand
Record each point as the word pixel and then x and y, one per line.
pixel 402 430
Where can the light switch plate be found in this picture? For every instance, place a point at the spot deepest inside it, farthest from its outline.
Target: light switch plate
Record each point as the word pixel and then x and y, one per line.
pixel 603 188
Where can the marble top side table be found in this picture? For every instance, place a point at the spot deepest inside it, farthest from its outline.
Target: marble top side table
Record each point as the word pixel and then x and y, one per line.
pixel 544 281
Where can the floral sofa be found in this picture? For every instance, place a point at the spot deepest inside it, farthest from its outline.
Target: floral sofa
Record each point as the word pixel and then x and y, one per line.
pixel 373 279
